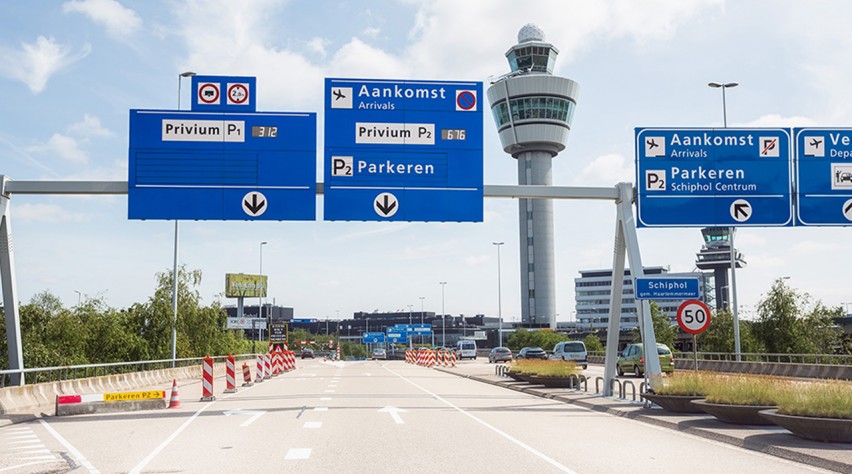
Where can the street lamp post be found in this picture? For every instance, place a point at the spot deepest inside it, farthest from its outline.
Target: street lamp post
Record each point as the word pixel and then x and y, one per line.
pixel 175 270
pixel 409 330
pixel 79 296
pixel 732 230
pixel 259 295
pixel 443 317
pixel 499 293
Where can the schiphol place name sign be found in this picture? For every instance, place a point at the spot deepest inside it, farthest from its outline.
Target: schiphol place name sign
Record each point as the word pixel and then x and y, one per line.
pixel 666 288
pixel 223 160
pixel 714 177
pixel 403 150
pixel 823 176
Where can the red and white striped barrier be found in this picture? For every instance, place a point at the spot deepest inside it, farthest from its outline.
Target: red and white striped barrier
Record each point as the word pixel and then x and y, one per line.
pixel 207 380
pixel 290 360
pixel 258 375
pixel 452 358
pixel 230 374
pixel 430 362
pixel 267 366
pixel 247 376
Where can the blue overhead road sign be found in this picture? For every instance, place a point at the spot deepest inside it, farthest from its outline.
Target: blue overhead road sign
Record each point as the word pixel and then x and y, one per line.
pixel 713 177
pixel 403 150
pixel 372 337
pixel 206 166
pixel 824 176
pixel 669 288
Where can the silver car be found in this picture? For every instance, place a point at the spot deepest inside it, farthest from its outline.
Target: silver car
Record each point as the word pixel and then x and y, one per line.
pixel 499 354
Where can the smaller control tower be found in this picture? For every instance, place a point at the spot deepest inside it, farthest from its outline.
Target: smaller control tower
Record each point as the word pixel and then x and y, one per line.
pixel 715 255
pixel 533 109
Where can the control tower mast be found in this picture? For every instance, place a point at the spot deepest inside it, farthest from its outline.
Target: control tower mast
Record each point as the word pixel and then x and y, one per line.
pixel 533 109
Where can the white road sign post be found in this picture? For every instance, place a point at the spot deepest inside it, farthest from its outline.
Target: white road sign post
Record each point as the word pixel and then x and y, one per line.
pixel 693 316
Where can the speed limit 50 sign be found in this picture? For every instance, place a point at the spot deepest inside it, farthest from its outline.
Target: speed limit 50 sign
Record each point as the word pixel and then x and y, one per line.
pixel 693 316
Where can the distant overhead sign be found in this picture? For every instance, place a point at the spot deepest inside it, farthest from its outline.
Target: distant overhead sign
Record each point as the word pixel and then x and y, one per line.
pixel 403 150
pixel 713 177
pixel 666 288
pixel 824 176
pixel 373 337
pixel 220 166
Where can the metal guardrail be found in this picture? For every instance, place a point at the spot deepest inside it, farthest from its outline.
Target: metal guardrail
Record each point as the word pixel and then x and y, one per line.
pixel 71 372
pixel 823 359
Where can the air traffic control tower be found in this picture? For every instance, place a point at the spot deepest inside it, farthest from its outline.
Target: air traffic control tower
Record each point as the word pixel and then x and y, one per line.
pixel 533 110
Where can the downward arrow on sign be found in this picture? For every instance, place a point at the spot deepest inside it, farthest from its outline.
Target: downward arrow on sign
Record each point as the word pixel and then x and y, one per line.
pixel 254 206
pixel 386 207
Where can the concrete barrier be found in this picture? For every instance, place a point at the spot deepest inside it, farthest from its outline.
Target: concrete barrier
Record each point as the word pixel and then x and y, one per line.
pixel 109 402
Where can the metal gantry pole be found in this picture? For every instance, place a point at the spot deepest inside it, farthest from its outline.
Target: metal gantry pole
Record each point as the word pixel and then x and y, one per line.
pixel 499 295
pixel 443 317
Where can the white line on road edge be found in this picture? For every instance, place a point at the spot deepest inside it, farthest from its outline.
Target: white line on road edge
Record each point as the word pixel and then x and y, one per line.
pixel 520 443
pixel 26 464
pixel 85 462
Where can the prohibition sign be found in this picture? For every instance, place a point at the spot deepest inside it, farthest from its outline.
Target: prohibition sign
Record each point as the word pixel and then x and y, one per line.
pixel 465 100
pixel 693 316
pixel 208 93
pixel 237 94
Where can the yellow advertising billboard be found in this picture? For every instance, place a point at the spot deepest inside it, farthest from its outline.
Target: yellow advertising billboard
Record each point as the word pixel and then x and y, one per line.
pixel 249 286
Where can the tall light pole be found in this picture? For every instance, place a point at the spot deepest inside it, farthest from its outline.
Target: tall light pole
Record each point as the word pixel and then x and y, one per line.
pixel 259 295
pixel 733 288
pixel 421 315
pixel 175 270
pixel 409 330
pixel 499 293
pixel 443 317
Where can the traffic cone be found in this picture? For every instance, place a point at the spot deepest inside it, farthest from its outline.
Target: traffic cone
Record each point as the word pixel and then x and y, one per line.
pixel 174 401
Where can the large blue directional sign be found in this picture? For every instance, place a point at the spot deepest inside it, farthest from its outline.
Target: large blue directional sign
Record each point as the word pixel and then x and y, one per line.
pixel 671 288
pixel 713 177
pixel 396 335
pixel 207 166
pixel 372 337
pixel 824 176
pixel 403 150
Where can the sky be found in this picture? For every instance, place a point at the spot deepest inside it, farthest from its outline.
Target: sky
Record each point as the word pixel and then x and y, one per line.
pixel 72 70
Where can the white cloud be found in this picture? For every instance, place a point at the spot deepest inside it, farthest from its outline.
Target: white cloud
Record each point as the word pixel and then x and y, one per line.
pixel 36 62
pixel 318 45
pixel 476 260
pixel 605 170
pixel 90 126
pixel 46 213
pixel 118 19
pixel 810 247
pixel 775 120
pixel 371 32
pixel 64 146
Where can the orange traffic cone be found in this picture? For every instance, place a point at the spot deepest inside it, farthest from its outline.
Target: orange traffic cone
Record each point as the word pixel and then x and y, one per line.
pixel 174 401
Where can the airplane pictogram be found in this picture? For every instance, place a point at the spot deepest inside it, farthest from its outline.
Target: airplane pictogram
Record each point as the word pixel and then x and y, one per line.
pixel 815 143
pixel 652 144
pixel 338 94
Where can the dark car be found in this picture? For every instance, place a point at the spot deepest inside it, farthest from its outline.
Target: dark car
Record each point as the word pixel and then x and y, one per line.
pixel 307 352
pixel 532 353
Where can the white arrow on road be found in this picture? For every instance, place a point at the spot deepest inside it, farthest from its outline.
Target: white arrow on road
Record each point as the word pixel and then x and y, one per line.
pixel 256 414
pixel 394 413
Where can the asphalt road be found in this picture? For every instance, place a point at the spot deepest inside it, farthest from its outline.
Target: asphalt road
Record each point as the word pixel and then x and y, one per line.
pixel 370 416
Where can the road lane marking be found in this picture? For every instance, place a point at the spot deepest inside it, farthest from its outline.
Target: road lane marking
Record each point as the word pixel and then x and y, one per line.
pixel 26 464
pixel 394 413
pixel 312 425
pixel 255 415
pixel 155 452
pixel 77 454
pixel 509 437
pixel 298 453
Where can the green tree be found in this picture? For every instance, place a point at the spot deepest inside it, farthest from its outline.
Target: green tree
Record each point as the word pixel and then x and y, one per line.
pixel 524 338
pixel 719 336
pixel 593 343
pixel 789 323
pixel 664 330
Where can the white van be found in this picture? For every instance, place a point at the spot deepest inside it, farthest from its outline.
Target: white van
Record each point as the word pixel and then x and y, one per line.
pixel 574 351
pixel 466 350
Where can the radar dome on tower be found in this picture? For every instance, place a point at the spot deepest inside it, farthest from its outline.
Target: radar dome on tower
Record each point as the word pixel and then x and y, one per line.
pixel 530 32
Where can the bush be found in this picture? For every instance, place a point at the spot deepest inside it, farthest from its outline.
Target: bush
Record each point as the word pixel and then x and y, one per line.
pixel 688 383
pixel 544 368
pixel 747 390
pixel 823 400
